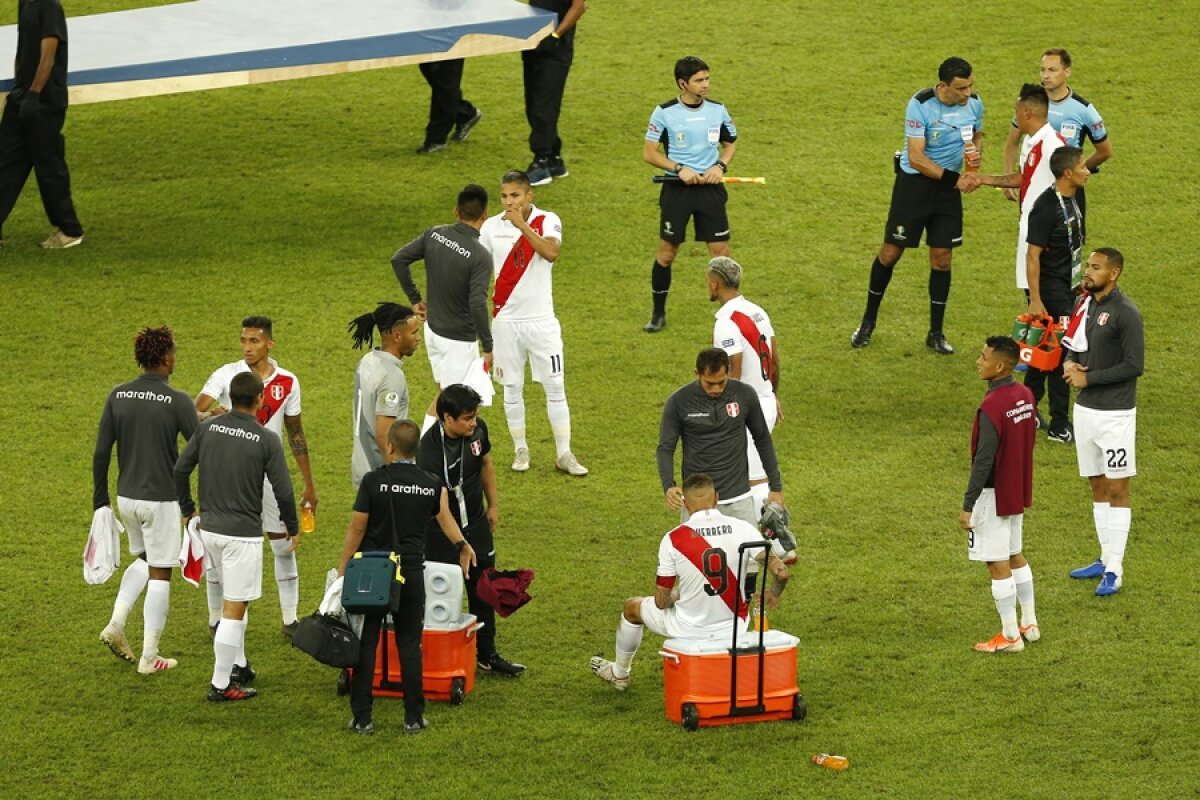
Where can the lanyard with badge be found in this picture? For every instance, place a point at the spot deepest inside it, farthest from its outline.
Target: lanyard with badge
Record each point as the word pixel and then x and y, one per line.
pixel 458 487
pixel 1074 245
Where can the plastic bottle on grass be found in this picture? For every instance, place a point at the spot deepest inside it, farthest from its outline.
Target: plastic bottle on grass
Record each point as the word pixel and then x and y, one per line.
pixel 831 762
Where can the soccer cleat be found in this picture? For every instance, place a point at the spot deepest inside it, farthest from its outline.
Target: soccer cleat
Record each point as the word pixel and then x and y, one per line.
pixel 862 334
pixel 430 147
pixel 1109 585
pixel 1031 632
pixel 61 241
pixel 242 675
pixel 464 128
pixel 289 628
pixel 539 172
pixel 558 167
pixel 230 693
pixel 521 460
pixel 362 729
pixel 657 323
pixel 774 524
pixel 115 639
pixel 416 726
pixel 159 664
pixel 1000 644
pixel 1064 433
pixel 603 669
pixel 936 341
pixel 569 464
pixel 1092 570
pixel 499 665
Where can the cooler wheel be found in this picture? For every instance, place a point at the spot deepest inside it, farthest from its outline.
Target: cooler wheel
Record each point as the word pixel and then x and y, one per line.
pixel 343 683
pixel 799 707
pixel 458 691
pixel 690 718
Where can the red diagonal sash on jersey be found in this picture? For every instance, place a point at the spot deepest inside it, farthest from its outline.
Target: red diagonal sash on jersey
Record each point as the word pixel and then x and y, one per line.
pixel 514 266
pixel 693 547
pixel 758 342
pixel 275 392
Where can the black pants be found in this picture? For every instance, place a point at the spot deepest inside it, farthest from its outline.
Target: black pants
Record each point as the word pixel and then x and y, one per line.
pixel 546 69
pixel 447 107
pixel 1040 382
pixel 37 145
pixel 409 623
pixel 479 534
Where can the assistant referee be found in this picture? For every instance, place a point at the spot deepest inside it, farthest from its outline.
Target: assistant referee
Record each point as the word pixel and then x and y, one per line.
pixel 698 140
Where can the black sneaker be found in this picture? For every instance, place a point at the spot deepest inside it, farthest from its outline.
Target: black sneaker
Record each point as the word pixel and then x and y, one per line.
pixel 862 334
pixel 499 665
pixel 230 693
pixel 936 341
pixel 242 675
pixel 464 128
pixel 289 629
pixel 656 323
pixel 1061 432
pixel 362 728
pixel 558 167
pixel 430 147
pixel 416 727
pixel 1039 422
pixel 539 172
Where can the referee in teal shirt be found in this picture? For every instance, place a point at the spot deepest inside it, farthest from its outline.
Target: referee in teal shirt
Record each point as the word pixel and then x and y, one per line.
pixel 693 138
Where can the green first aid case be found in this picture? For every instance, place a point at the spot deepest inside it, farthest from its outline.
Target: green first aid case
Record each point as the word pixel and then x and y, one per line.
pixel 371 583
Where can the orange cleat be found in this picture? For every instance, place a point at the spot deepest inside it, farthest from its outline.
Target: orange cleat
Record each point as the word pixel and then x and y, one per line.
pixel 1001 644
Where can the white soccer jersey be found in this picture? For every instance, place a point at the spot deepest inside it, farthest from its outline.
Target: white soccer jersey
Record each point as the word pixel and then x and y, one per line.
pixel 1036 178
pixel 701 558
pixel 743 327
pixel 281 392
pixel 523 289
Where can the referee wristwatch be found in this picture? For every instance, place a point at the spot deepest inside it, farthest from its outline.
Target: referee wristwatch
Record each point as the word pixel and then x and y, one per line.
pixel 724 167
pixel 678 168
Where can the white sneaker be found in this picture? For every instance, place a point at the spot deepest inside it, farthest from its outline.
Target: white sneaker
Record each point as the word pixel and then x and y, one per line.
pixel 521 460
pixel 603 668
pixel 1031 632
pixel 159 664
pixel 61 241
pixel 114 638
pixel 569 464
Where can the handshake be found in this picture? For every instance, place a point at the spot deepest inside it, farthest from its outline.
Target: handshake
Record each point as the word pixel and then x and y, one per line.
pixel 969 182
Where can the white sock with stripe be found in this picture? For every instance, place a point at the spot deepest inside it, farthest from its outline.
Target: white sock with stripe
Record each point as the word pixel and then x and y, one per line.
pixel 1023 577
pixel 514 413
pixel 229 641
pixel 1119 522
pixel 287 576
pixel 154 614
pixel 133 581
pixel 1100 518
pixel 559 414
pixel 1004 592
pixel 629 639
pixel 216 600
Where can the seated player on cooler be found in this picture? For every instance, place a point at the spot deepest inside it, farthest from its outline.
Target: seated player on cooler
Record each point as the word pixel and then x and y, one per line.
pixel 697 589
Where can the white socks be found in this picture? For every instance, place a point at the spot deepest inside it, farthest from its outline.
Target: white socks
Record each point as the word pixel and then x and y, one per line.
pixel 559 414
pixel 154 614
pixel 1116 536
pixel 287 575
pixel 629 639
pixel 758 493
pixel 216 599
pixel 514 412
pixel 428 423
pixel 227 645
pixel 1004 592
pixel 1100 518
pixel 1023 577
pixel 133 581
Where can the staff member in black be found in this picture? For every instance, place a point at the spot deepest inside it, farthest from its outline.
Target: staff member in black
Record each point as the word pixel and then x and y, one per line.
pixel 447 106
pixel 546 68
pixel 457 450
pixel 393 507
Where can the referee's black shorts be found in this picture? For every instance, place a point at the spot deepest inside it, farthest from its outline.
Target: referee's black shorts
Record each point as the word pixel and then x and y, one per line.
pixel 705 202
pixel 923 205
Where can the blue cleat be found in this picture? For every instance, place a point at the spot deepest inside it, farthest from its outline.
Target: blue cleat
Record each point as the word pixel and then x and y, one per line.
pixel 1093 570
pixel 1110 584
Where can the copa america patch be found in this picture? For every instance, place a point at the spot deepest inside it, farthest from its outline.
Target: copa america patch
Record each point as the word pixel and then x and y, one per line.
pixel 476 447
pixel 732 409
pixel 391 398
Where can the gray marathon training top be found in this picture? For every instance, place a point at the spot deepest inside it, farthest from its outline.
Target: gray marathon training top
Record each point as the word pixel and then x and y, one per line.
pixel 235 453
pixel 1116 354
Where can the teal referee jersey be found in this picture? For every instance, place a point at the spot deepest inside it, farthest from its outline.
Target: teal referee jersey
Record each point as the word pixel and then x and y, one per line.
pixel 691 135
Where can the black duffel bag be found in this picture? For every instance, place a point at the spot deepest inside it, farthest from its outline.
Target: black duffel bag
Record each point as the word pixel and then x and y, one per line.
pixel 327 639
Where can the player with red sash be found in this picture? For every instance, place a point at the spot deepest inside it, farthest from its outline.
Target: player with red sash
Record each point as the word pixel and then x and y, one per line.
pixel 998 492
pixel 744 331
pixel 525 242
pixel 280 407
pixel 696 591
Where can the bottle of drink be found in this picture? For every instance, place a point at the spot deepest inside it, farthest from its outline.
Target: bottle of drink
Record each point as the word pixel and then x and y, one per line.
pixel 970 157
pixel 831 762
pixel 308 519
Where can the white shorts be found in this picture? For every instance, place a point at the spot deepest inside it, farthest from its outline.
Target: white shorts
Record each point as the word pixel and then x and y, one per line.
pixel 1104 442
pixel 537 341
pixel 235 562
pixel 155 528
pixel 771 412
pixel 449 358
pixel 1022 251
pixel 271 521
pixel 665 622
pixel 993 538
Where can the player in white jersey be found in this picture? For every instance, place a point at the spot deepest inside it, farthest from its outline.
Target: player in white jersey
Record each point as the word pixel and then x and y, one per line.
pixel 525 241
pixel 744 331
pixel 280 407
pixel 696 592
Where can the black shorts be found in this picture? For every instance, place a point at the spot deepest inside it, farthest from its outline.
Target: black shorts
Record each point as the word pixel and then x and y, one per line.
pixel 478 533
pixel 923 205
pixel 678 202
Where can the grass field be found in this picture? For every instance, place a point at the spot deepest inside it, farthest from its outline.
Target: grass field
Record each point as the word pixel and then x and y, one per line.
pixel 288 200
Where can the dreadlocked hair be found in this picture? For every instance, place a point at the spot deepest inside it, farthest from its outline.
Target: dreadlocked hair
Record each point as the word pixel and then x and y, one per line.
pixel 385 317
pixel 152 345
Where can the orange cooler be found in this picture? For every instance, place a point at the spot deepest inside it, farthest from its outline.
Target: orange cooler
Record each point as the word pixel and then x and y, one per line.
pixel 447 661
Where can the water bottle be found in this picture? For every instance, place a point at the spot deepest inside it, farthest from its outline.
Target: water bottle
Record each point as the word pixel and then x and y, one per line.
pixel 308 519
pixel 831 762
pixel 970 157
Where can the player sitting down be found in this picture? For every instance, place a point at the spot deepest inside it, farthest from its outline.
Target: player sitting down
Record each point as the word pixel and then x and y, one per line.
pixel 697 592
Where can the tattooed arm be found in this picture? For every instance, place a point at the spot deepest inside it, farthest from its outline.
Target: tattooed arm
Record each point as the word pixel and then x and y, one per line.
pixel 299 445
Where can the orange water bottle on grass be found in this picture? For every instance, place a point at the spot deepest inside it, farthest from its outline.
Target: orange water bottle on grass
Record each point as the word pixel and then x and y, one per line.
pixel 838 763
pixel 308 519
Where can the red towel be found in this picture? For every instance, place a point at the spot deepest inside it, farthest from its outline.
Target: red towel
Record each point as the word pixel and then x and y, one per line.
pixel 504 591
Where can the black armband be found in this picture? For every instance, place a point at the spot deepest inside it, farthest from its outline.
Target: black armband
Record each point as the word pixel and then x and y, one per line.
pixel 459 545
pixel 949 178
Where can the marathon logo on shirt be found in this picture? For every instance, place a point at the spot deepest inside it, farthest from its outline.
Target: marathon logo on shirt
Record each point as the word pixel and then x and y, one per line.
pixel 155 396
pixel 450 244
pixel 400 488
pixel 733 409
pixel 1020 412
pixel 237 433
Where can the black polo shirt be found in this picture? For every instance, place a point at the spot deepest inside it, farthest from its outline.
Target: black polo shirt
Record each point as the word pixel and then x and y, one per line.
pixel 38 20
pixel 456 461
pixel 1056 234
pixel 399 500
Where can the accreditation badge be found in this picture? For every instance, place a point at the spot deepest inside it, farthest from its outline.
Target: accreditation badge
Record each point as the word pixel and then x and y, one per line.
pixel 462 504
pixel 1076 267
pixel 968 133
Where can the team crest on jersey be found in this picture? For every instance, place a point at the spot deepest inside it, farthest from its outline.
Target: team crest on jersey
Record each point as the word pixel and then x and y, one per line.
pixel 1102 319
pixel 476 447
pixel 276 392
pixel 733 409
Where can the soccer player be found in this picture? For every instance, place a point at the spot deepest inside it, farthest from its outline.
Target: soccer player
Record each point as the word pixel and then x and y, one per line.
pixel 1073 117
pixel 525 242
pixel 280 408
pixel 744 331
pixel 545 69
pixel 1057 232
pixel 394 504
pixel 697 139
pixel 380 387
pixel 943 129
pixel 238 459
pixel 695 594
pixel 458 272
pixel 145 418
pixel 998 492
pixel 457 450
pixel 1105 354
